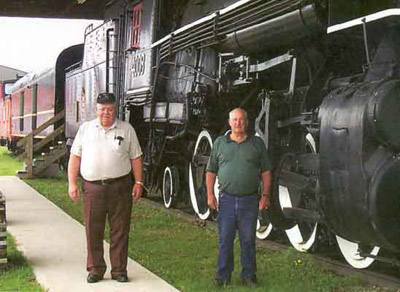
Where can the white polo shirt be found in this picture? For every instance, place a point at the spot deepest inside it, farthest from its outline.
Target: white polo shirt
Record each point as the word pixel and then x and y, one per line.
pixel 105 153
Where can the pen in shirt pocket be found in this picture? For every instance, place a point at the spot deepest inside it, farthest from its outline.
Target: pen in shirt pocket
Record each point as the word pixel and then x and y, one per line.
pixel 120 139
pixel 119 136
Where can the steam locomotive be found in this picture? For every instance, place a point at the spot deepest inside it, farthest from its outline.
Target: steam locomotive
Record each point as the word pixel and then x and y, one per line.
pixel 320 81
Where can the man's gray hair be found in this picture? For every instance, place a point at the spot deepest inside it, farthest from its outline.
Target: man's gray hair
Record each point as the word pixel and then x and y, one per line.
pixel 244 112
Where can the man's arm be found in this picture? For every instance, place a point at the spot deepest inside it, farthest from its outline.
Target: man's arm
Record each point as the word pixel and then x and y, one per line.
pixel 73 170
pixel 210 182
pixel 265 197
pixel 137 170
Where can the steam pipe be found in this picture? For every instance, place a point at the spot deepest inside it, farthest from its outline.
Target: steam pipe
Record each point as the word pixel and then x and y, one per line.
pixel 282 30
pixel 108 58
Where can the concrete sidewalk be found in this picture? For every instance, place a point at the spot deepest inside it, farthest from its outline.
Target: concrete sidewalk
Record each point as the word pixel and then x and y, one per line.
pixel 54 244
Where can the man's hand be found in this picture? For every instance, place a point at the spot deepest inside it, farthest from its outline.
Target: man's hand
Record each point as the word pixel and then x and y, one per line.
pixel 73 192
pixel 212 202
pixel 264 203
pixel 137 192
pixel 73 170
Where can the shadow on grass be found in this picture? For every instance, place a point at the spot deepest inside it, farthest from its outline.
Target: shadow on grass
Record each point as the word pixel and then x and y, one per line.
pixel 18 274
pixel 15 258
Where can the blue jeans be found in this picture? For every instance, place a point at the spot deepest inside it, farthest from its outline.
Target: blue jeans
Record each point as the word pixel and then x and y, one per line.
pixel 237 213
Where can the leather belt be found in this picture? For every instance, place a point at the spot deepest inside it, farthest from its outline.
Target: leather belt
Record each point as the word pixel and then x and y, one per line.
pixel 236 195
pixel 108 181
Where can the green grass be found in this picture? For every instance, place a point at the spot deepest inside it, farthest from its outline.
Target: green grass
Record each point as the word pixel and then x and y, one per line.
pixel 18 275
pixel 8 164
pixel 185 254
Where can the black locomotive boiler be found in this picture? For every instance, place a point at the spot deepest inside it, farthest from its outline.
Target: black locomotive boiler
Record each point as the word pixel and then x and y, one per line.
pixel 319 79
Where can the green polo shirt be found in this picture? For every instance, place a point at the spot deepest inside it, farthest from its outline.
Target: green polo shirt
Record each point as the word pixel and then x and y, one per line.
pixel 238 165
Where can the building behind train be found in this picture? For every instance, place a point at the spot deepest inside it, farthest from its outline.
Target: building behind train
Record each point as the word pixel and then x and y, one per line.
pixel 8 76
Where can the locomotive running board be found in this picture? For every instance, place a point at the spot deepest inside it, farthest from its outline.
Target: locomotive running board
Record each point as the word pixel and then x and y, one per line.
pixel 365 19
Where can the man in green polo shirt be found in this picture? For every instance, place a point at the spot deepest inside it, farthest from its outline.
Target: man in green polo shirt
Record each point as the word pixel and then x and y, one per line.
pixel 240 161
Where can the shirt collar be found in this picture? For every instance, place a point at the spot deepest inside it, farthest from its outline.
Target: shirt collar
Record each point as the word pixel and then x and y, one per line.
pixel 114 125
pixel 229 140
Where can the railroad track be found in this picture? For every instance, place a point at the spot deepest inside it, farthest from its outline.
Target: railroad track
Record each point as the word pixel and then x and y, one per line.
pixel 369 277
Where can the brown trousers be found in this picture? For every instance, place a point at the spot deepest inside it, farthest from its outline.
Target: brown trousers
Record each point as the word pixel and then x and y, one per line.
pixel 113 201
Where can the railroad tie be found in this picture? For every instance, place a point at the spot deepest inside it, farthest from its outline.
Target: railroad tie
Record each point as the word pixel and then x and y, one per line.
pixel 2 208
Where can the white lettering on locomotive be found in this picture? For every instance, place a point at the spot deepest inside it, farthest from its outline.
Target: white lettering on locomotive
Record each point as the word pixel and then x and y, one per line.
pixel 138 65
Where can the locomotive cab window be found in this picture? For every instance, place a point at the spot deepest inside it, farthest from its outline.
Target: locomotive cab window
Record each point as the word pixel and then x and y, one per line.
pixel 136 23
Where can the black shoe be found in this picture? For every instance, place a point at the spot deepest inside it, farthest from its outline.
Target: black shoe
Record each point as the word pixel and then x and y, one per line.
pixel 92 278
pixel 222 283
pixel 250 281
pixel 120 278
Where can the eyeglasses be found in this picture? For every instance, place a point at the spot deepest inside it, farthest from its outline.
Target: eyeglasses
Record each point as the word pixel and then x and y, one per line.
pixel 106 109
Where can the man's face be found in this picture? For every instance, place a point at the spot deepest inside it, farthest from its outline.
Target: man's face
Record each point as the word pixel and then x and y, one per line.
pixel 106 114
pixel 238 121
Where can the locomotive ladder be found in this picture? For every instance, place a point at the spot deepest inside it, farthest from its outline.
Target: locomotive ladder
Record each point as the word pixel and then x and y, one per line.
pixel 35 167
pixel 3 232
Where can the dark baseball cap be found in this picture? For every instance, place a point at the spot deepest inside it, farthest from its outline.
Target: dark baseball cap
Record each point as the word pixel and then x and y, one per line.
pixel 105 97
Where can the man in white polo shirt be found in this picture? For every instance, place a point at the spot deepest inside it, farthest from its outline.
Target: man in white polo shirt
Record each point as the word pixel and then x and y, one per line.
pixel 106 151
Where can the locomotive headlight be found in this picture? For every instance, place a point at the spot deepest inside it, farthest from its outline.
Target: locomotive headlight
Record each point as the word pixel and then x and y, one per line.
pixel 384 114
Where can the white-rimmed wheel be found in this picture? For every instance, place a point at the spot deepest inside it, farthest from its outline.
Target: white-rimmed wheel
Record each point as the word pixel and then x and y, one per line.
pixel 351 252
pixel 264 226
pixel 170 187
pixel 302 234
pixel 197 175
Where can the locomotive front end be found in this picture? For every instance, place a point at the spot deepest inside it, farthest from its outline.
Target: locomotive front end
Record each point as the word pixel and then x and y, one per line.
pixel 360 142
pixel 359 167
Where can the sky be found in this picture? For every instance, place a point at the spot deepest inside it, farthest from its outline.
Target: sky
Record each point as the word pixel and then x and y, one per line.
pixel 33 44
